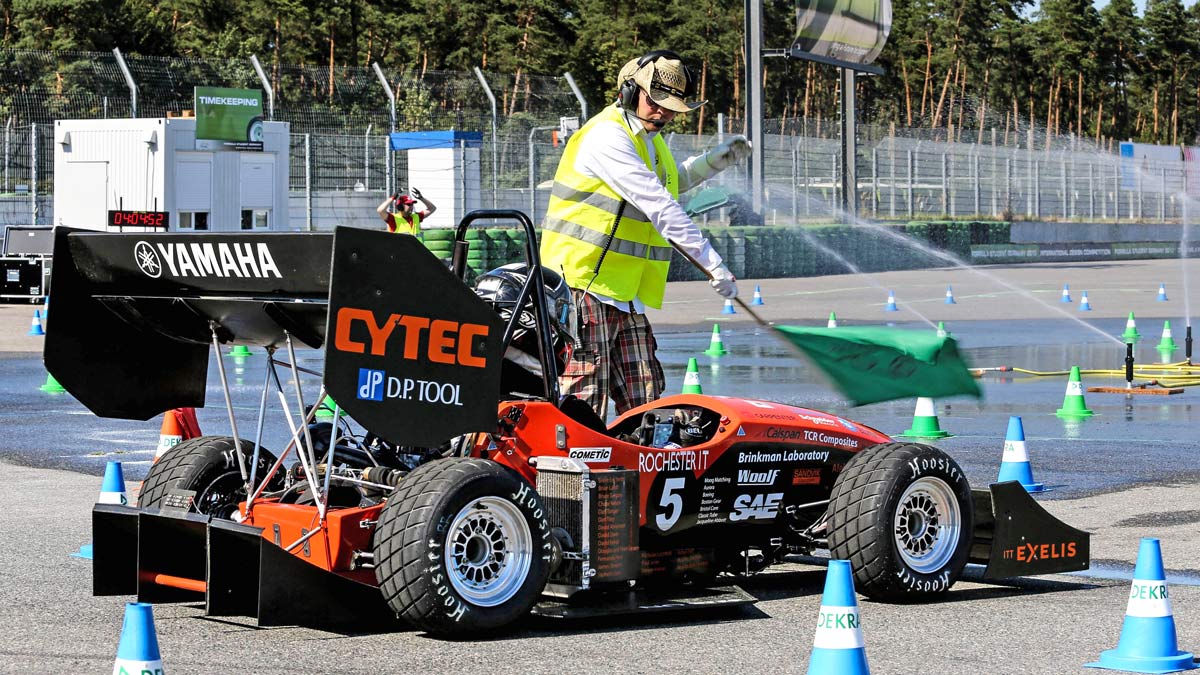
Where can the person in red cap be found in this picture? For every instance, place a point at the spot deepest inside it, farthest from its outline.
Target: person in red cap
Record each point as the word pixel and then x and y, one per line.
pixel 403 217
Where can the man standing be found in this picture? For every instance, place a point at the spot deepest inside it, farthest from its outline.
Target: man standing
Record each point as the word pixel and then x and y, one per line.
pixel 614 215
pixel 403 218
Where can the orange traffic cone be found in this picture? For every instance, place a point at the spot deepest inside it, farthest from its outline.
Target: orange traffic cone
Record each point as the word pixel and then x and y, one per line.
pixel 178 425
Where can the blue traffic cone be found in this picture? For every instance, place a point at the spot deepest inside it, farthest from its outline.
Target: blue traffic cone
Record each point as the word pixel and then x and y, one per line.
pixel 1015 465
pixel 137 651
pixel 35 326
pixel 1148 641
pixel 728 308
pixel 757 299
pixel 1162 292
pixel 838 645
pixel 891 303
pixel 112 489
pixel 1084 306
pixel 950 296
pixel 1066 296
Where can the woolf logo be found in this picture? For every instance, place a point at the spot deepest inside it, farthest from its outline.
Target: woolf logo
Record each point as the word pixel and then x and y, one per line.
pixel 147 260
pixel 207 259
pixel 748 477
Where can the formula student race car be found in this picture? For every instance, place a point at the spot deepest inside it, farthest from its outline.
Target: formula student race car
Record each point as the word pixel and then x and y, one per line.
pixel 461 498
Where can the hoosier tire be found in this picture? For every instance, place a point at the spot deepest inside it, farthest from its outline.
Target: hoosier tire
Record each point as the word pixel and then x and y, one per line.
pixel 208 466
pixel 902 514
pixel 462 547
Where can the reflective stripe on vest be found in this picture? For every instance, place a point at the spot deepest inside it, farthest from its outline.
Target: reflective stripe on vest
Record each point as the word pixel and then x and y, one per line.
pixel 580 220
pixel 403 227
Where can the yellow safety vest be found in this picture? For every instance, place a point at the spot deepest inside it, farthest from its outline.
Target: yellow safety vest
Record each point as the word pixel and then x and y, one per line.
pixel 582 217
pixel 402 226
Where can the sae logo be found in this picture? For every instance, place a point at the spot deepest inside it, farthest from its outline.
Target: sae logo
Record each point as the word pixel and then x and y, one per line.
pixel 370 384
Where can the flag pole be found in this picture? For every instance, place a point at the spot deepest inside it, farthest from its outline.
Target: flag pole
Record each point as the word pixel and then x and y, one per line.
pixel 741 303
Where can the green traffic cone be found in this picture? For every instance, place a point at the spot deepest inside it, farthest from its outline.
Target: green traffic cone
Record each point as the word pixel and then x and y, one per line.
pixel 52 386
pixel 1131 333
pixel 925 422
pixel 832 321
pixel 1073 404
pixel 325 410
pixel 240 350
pixel 691 380
pixel 1167 343
pixel 941 330
pixel 715 346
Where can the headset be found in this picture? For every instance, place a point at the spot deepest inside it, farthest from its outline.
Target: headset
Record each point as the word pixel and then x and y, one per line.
pixel 628 92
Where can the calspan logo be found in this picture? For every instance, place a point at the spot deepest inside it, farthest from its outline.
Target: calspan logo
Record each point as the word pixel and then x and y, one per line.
pixel 147 260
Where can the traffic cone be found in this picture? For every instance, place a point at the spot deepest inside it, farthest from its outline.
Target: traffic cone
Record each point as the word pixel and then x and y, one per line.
pixel 1131 333
pixel 715 346
pixel 728 308
pixel 832 323
pixel 240 351
pixel 1066 294
pixel 838 645
pixel 35 325
pixel 52 386
pixel 1015 465
pixel 1073 404
pixel 1084 306
pixel 112 489
pixel 691 379
pixel 137 651
pixel 757 299
pixel 1167 343
pixel 1162 293
pixel 170 435
pixel 325 410
pixel 925 422
pixel 950 296
pixel 941 329
pixel 1148 642
pixel 891 303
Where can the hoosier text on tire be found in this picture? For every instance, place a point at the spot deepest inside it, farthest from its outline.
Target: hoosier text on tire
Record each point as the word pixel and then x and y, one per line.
pixel 462 547
pixel 902 515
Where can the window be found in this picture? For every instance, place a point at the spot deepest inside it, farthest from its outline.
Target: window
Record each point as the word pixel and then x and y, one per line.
pixel 255 219
pixel 193 220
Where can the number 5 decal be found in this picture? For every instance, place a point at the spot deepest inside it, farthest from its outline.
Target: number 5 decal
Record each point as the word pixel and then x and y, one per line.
pixel 671 503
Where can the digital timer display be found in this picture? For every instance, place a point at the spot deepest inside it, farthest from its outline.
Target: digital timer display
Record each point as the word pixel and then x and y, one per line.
pixel 138 219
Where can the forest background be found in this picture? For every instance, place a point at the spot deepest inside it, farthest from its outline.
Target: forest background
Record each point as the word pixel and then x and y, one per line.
pixel 1063 65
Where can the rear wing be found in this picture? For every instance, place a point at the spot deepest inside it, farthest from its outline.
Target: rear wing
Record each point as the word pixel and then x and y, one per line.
pixel 413 354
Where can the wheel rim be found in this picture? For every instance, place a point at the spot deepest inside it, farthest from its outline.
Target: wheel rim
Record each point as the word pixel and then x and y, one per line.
pixel 488 551
pixel 927 525
pixel 220 499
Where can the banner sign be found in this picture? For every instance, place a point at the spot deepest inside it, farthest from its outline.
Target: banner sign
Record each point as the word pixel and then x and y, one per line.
pixel 228 119
pixel 1079 251
pixel 849 31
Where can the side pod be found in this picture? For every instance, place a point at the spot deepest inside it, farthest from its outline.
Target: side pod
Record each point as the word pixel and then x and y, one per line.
pixel 186 557
pixel 1014 536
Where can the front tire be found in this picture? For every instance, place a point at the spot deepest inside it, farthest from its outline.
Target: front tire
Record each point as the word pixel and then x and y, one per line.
pixel 208 466
pixel 902 515
pixel 462 547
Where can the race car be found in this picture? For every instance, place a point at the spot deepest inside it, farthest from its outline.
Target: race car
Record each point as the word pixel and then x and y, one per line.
pixel 455 488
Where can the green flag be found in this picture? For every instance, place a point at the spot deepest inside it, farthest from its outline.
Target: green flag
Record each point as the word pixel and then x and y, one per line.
pixel 874 364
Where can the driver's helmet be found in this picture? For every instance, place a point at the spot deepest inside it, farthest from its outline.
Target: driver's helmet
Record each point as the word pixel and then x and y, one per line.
pixel 501 287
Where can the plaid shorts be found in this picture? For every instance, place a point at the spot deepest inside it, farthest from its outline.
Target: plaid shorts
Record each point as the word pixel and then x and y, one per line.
pixel 616 358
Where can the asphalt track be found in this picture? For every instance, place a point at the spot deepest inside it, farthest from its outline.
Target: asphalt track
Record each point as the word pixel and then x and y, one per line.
pixel 1127 473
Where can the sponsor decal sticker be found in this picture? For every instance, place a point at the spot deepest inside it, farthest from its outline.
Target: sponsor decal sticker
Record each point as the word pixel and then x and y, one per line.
pixel 848 424
pixel 1148 599
pixel 756 507
pixel 590 455
pixel 673 460
pixel 376 385
pixel 754 456
pixel 435 340
pixel 749 477
pixel 1028 553
pixel 741 431
pixel 838 628
pixel 806 476
pixel 245 260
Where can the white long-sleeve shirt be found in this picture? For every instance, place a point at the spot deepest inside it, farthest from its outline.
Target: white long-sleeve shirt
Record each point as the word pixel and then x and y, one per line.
pixel 608 153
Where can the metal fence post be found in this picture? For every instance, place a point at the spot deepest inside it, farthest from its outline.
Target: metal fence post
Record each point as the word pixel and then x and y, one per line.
pixel 1162 196
pixel 308 198
pixel 975 166
pixel 835 180
pixel 7 155
pixel 807 187
pixel 875 182
pixel 795 184
pixel 33 174
pixel 1037 189
pixel 1091 191
pixel 946 206
pixel 1140 201
pixel 1008 200
pixel 389 161
pixel 911 201
pixel 367 158
pixel 1066 195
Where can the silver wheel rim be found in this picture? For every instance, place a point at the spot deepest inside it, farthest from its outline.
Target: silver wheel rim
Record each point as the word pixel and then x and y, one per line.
pixel 488 551
pixel 927 524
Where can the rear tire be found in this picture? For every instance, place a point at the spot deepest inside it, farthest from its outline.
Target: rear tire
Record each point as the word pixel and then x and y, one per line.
pixel 902 515
pixel 462 547
pixel 208 466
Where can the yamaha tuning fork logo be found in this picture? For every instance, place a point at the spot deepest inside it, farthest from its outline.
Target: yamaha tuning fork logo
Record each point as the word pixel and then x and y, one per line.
pixel 147 260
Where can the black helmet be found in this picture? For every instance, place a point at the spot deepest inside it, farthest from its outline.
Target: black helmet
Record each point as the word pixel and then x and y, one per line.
pixel 501 287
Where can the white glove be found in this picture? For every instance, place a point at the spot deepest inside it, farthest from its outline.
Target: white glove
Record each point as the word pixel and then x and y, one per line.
pixel 416 194
pixel 733 150
pixel 723 281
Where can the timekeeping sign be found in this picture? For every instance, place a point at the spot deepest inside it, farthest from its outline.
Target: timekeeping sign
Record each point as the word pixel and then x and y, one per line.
pixel 228 119
pixel 850 31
